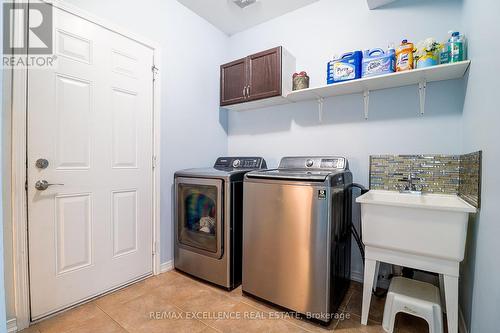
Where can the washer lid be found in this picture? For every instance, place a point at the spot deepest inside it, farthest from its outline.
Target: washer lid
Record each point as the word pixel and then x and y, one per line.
pixel 304 168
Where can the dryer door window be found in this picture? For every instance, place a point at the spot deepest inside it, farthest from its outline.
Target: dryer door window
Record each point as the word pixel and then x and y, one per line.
pixel 199 220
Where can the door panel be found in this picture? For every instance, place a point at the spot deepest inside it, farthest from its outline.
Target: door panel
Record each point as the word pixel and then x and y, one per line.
pixel 233 82
pixel 124 222
pixel 264 70
pixel 73 232
pixel 124 117
pixel 73 107
pixel 91 118
pixel 73 46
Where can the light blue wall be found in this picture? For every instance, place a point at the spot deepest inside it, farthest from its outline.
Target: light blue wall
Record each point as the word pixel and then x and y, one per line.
pixel 480 279
pixel 314 34
pixel 193 132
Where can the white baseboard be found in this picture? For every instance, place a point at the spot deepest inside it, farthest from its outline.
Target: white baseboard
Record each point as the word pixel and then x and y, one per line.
pixel 357 276
pixel 166 266
pixel 462 327
pixel 11 325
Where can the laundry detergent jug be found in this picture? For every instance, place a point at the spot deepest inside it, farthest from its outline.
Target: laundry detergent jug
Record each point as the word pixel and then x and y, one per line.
pixel 377 62
pixel 344 68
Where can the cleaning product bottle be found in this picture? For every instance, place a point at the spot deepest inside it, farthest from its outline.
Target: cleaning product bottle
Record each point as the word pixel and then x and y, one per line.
pixel 404 56
pixel 391 48
pixel 444 53
pixel 457 47
pixel 392 51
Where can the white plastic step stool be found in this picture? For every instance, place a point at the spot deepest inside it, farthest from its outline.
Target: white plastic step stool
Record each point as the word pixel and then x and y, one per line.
pixel 416 298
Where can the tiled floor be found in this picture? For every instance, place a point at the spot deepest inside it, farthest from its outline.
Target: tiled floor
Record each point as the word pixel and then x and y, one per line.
pixel 171 301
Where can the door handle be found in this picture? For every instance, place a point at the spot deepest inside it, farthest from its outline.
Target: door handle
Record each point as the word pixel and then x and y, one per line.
pixel 245 92
pixel 248 91
pixel 42 185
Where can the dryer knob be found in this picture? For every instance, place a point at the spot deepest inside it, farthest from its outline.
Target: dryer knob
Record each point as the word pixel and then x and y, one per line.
pixel 236 163
pixel 309 163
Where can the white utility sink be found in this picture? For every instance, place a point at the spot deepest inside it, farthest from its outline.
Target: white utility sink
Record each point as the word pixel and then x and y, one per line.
pixel 428 224
pixel 426 232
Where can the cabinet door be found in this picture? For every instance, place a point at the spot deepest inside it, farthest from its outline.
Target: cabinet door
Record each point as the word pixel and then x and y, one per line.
pixel 233 82
pixel 264 71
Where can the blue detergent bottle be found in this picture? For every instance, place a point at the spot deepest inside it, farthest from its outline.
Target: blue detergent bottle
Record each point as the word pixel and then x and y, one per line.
pixel 344 68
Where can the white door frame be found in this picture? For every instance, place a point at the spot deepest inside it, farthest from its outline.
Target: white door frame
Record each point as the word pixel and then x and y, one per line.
pixel 18 109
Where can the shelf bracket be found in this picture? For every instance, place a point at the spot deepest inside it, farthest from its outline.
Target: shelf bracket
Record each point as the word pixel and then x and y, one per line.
pixel 366 100
pixel 422 85
pixel 320 108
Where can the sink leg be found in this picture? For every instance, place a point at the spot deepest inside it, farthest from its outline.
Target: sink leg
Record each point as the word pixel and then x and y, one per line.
pixel 451 295
pixel 375 281
pixel 370 266
pixel 441 292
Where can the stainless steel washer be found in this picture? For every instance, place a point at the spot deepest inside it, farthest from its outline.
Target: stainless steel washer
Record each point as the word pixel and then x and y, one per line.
pixel 296 234
pixel 208 219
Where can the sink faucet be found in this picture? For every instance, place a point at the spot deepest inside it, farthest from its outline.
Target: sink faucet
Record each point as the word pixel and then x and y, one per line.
pixel 410 186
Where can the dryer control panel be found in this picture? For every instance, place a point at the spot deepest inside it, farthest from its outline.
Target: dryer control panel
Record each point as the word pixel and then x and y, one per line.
pixel 240 163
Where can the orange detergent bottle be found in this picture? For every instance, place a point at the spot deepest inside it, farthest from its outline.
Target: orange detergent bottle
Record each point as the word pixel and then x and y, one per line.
pixel 404 56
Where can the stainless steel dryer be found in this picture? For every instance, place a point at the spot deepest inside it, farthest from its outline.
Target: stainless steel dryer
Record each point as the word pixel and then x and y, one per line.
pixel 296 234
pixel 208 219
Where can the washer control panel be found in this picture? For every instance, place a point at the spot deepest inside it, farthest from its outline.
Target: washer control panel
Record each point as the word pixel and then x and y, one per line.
pixel 315 162
pixel 240 162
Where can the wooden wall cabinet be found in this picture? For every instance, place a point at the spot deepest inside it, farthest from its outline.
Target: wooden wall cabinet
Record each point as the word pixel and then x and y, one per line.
pixel 261 79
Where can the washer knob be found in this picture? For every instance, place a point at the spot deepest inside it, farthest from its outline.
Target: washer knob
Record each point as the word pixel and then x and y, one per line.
pixel 309 163
pixel 236 163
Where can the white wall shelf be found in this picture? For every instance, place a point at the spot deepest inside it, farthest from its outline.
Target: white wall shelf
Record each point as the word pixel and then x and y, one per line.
pixel 393 80
pixel 364 86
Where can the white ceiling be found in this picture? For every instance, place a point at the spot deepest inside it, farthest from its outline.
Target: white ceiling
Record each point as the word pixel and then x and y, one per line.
pixel 230 18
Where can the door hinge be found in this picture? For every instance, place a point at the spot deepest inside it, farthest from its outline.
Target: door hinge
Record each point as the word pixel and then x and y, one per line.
pixel 154 248
pixel 154 161
pixel 155 71
pixel 26 185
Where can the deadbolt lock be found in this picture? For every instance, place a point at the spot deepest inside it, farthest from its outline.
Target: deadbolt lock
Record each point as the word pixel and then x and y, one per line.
pixel 42 163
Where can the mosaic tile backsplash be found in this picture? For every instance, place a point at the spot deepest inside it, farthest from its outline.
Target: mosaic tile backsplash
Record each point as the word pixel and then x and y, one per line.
pixel 447 174
pixel 469 187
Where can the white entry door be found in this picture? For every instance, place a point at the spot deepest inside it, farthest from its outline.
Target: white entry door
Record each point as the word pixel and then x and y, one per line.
pixel 91 120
